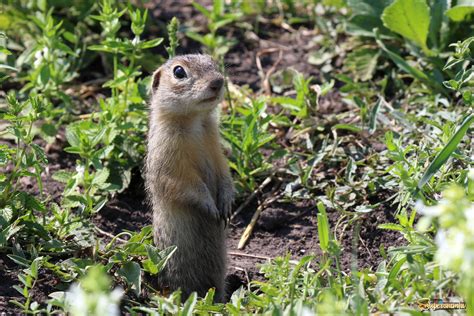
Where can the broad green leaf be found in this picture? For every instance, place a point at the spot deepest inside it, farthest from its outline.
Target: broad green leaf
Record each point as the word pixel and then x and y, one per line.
pixel 446 152
pixel 100 177
pixel 462 11
pixel 49 129
pixel 409 18
pixel 131 272
pixel 72 136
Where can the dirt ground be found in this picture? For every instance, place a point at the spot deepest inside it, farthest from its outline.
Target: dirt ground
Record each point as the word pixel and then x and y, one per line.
pixel 283 227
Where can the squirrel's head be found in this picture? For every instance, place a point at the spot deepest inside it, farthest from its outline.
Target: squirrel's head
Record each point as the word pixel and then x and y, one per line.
pixel 187 84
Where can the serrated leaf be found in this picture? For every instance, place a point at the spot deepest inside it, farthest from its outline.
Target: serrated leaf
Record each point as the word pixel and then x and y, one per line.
pixel 39 153
pixel 362 63
pixel 391 226
pixel 62 176
pixel 72 136
pixel 409 18
pixel 100 177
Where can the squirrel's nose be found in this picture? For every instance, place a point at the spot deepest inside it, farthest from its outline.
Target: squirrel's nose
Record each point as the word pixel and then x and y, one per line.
pixel 216 84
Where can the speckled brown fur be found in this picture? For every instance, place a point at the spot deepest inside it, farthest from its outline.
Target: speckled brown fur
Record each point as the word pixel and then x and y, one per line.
pixel 187 176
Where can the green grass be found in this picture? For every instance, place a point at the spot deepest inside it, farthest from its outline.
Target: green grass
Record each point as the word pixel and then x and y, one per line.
pixel 404 84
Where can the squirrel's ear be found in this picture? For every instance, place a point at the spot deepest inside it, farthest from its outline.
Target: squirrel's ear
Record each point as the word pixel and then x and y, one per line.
pixel 155 80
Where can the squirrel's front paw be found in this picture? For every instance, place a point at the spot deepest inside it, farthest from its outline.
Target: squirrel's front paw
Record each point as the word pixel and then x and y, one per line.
pixel 211 209
pixel 224 203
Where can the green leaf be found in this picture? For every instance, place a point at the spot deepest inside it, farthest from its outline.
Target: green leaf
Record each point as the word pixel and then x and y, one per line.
pixel 4 66
pixel 72 136
pixel 62 176
pixel 35 265
pixel 49 129
pixel 100 177
pixel 39 154
pixel 44 75
pixel 323 227
pixel 373 115
pixel 446 152
pixel 362 63
pixel 99 205
pixel 391 226
pixel 202 9
pixel 462 11
pixel 189 305
pixel 22 261
pixel 403 65
pixel 151 43
pixel 348 127
pixel 409 18
pixel 396 269
pixel 132 274
pixel 437 18
pixel 368 7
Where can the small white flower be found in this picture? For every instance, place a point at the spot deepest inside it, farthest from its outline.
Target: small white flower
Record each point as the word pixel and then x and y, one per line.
pixel 76 300
pixel 81 303
pixel 432 211
pixel 38 58
pixel 135 41
pixel 80 171
pixel 470 174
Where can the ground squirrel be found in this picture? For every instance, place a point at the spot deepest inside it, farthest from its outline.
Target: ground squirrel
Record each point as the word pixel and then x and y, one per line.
pixel 187 176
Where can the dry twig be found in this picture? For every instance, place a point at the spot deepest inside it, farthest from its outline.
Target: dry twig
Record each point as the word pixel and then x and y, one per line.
pixel 249 229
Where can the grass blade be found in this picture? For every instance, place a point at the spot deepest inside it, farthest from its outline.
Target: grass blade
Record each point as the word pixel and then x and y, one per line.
pixel 446 152
pixel 323 227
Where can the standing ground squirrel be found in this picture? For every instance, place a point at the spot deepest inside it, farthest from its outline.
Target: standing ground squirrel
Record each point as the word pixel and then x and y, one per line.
pixel 187 176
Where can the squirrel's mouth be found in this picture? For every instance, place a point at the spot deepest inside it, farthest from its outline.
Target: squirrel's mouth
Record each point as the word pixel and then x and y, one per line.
pixel 211 99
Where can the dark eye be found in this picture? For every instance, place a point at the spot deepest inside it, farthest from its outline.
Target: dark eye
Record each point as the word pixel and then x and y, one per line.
pixel 179 72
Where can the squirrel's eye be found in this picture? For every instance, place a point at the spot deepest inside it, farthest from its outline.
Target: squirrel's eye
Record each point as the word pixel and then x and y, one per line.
pixel 179 72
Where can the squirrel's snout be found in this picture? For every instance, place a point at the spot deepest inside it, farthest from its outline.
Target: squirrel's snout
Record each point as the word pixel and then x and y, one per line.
pixel 216 84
